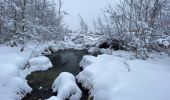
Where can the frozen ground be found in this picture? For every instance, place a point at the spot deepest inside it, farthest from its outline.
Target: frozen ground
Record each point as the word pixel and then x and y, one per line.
pixel 121 77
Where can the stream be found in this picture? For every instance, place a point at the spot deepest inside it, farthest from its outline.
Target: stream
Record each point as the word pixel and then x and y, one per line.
pixel 63 61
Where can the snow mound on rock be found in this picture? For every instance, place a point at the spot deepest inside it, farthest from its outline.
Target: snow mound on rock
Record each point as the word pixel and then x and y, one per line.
pixel 40 63
pixel 65 86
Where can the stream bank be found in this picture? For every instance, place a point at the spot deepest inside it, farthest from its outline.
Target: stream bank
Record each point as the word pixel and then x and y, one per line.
pixel 63 61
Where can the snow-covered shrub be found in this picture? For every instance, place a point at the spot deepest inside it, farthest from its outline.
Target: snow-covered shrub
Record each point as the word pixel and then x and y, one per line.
pixel 160 45
pixel 21 21
pixel 136 23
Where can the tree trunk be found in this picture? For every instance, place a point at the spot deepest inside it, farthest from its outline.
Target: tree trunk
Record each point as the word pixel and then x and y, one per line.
pixel 23 15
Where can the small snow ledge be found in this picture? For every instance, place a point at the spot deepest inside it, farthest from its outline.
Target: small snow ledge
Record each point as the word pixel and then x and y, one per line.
pixel 54 98
pixel 65 86
pixel 87 60
pixel 40 63
pixel 111 77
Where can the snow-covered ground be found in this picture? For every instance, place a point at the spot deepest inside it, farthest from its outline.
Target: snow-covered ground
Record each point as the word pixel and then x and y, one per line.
pixel 115 75
pixel 13 85
pixel 120 77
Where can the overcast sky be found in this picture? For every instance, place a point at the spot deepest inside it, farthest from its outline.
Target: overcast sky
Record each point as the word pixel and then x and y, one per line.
pixel 88 9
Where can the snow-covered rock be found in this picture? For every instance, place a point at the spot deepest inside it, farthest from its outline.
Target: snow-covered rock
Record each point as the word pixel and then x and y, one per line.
pixel 109 77
pixel 166 43
pixel 40 63
pixel 65 86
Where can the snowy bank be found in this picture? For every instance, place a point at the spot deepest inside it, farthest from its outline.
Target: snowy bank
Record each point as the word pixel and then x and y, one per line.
pixel 12 85
pixel 65 86
pixel 109 77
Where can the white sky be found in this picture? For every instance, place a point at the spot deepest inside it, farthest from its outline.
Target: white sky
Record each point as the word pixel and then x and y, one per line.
pixel 88 9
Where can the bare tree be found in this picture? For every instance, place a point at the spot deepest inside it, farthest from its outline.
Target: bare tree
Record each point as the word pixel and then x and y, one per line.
pixel 83 26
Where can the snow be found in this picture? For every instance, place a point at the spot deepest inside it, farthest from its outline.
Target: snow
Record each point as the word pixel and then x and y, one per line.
pixel 106 51
pixel 115 77
pixel 162 61
pixel 87 60
pixel 80 41
pixel 53 98
pixel 167 38
pixel 12 85
pixel 143 24
pixel 166 43
pixel 65 86
pixel 40 63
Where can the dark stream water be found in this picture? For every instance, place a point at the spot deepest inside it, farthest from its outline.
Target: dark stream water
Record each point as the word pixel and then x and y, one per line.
pixel 63 61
